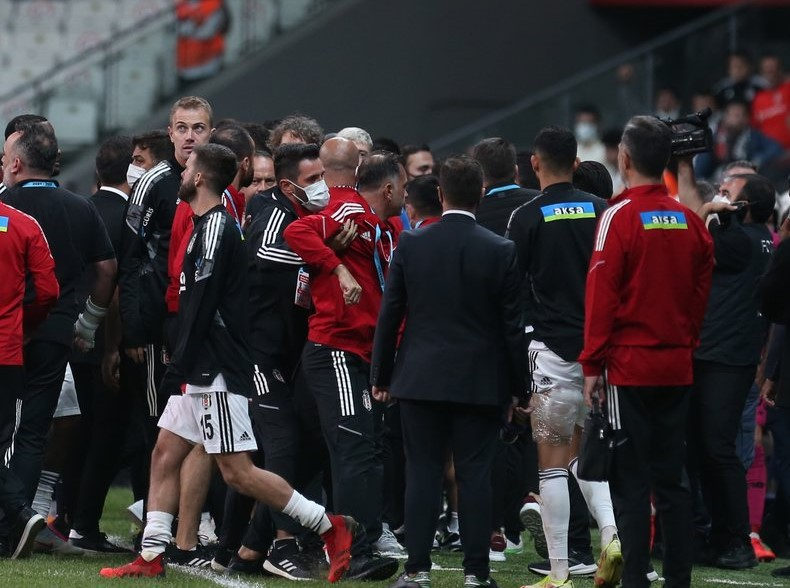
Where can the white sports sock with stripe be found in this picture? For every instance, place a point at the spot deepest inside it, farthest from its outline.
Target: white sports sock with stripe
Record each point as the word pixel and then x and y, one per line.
pixel 44 492
pixel 307 513
pixel 157 534
pixel 556 511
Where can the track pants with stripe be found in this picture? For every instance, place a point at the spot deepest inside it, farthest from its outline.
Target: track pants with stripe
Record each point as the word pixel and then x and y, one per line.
pixel 12 490
pixel 650 455
pixel 352 423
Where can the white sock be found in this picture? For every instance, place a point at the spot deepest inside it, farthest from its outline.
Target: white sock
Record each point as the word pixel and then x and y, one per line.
pixel 307 513
pixel 452 524
pixel 44 492
pixel 599 501
pixel 556 512
pixel 157 534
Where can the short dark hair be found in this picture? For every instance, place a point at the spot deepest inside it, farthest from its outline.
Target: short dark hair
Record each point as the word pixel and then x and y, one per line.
pixel 461 180
pixel 593 177
pixel 759 192
pixel 217 163
pixel 743 103
pixel 648 142
pixel 304 127
pixel 556 147
pixel 740 163
pixel 287 158
pixel 235 138
pixel 259 134
pixel 157 142
pixel 376 169
pixel 497 157
pixel 37 146
pixel 526 175
pixel 14 124
pixel 386 144
pixel 112 160
pixel 588 109
pixel 423 194
pixel 408 150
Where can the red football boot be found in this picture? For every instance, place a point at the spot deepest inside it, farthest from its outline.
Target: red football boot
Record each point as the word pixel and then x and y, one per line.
pixel 139 568
pixel 338 541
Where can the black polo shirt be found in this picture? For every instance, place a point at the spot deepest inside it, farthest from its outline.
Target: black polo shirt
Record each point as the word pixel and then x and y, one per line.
pixel 76 237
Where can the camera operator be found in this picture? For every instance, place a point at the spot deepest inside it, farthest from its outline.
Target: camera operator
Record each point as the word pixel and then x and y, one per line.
pixel 725 362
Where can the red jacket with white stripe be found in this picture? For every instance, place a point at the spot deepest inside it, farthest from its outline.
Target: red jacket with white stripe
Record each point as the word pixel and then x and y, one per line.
pixel 348 327
pixel 647 289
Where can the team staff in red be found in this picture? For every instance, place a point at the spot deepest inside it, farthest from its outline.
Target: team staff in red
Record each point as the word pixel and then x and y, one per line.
pixel 24 251
pixel 647 289
pixel 346 290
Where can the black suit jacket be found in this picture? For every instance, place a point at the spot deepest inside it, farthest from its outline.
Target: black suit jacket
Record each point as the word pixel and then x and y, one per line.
pixel 458 287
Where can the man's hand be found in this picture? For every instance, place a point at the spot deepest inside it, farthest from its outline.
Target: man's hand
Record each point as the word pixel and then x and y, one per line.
pixel 110 370
pixel 593 385
pixel 342 240
pixel 518 413
pixel 768 392
pixel 351 289
pixel 381 393
pixel 136 354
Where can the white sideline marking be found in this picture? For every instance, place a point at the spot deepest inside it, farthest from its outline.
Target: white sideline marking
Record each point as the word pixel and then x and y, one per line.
pixel 740 582
pixel 217 577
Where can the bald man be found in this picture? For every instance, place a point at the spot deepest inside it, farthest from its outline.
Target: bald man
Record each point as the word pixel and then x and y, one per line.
pixel 340 158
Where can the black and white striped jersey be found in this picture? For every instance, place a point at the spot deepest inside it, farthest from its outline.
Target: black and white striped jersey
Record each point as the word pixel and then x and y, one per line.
pixel 145 243
pixel 278 324
pixel 213 330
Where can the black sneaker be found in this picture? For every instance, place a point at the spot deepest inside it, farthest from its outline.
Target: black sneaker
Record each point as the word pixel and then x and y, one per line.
pixel 781 572
pixel 245 567
pixel 285 560
pixel 371 567
pixel 97 543
pixel 23 532
pixel 579 564
pixel 200 557
pixel 222 557
pixel 738 557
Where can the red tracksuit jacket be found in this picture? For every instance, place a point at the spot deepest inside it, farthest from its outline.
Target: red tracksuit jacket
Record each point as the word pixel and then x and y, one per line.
pixel 334 323
pixel 24 251
pixel 647 289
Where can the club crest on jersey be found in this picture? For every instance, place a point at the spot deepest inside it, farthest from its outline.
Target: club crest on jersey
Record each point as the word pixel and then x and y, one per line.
pixel 663 219
pixel 567 211
pixel 206 401
pixel 366 401
pixel 278 376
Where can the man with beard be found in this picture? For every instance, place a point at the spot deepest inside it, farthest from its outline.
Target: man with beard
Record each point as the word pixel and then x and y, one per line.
pixel 239 141
pixel 212 358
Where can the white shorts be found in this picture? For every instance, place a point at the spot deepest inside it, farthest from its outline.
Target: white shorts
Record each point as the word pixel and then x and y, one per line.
pixel 220 421
pixel 68 405
pixel 557 396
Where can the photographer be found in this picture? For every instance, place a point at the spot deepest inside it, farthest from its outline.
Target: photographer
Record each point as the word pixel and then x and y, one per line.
pixel 726 360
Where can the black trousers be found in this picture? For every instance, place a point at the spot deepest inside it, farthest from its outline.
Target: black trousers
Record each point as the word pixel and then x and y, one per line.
pixel 430 429
pixel 509 481
pixel 12 490
pixel 105 422
pixel 394 468
pixel 45 367
pixel 650 429
pixel 717 401
pixel 352 425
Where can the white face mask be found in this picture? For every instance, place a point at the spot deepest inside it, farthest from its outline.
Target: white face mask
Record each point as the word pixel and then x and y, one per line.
pixel 585 132
pixel 317 196
pixel 134 173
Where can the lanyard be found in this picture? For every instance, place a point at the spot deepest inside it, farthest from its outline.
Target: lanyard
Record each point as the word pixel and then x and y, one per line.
pixel 40 185
pixel 501 189
pixel 404 219
pixel 377 257
pixel 229 198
